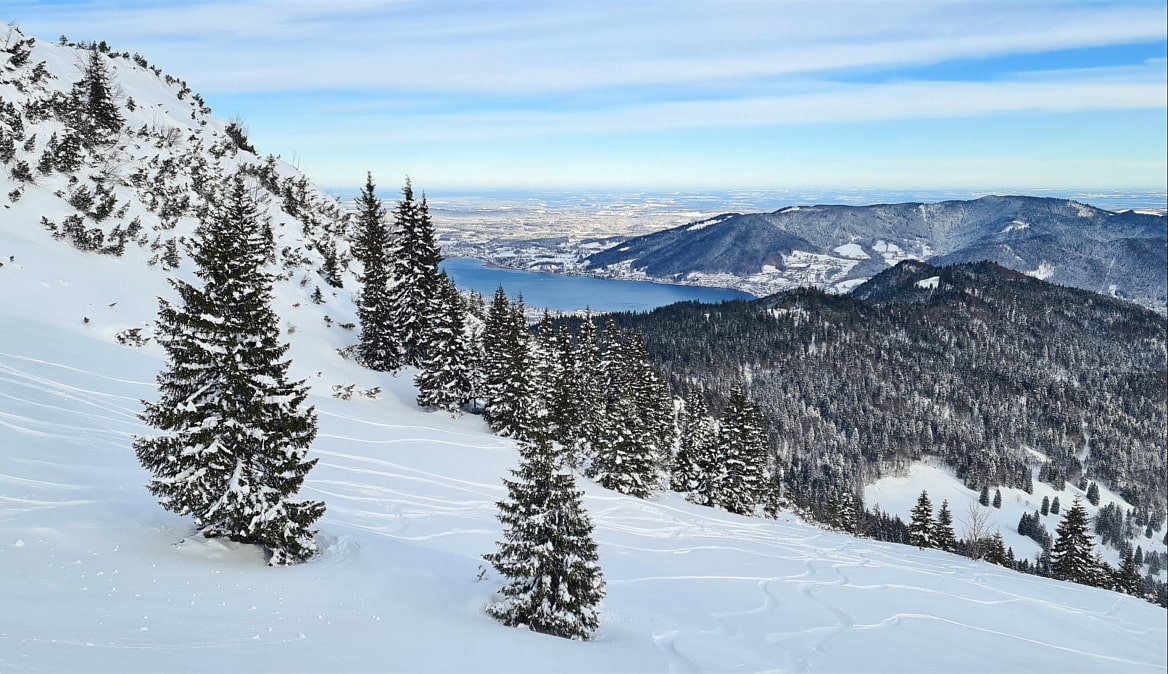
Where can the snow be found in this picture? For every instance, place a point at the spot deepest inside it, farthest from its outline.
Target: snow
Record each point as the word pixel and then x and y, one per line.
pixel 1016 225
pixel 851 250
pixel 411 509
pixel 99 578
pixel 929 283
pixel 1045 271
pixel 897 495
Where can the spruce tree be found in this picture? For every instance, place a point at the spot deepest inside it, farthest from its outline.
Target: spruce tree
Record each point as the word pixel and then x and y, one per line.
pixel 1093 494
pixel 509 387
pixel 921 528
pixel 233 436
pixel 626 456
pixel 444 381
pixel 378 345
pixel 590 393
pixel 998 498
pixel 1072 555
pixel 95 111
pixel 739 484
pixel 943 536
pixel 984 497
pixel 696 460
pixel 415 258
pixel 996 550
pixel 1127 576
pixel 547 554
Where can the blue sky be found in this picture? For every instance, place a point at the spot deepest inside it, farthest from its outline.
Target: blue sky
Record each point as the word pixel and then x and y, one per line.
pixel 672 94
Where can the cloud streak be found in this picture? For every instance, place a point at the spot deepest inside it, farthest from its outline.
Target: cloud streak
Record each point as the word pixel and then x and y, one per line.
pixel 533 47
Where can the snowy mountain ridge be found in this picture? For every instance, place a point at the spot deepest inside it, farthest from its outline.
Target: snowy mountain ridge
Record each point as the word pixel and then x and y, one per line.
pixel 99 578
pixel 837 247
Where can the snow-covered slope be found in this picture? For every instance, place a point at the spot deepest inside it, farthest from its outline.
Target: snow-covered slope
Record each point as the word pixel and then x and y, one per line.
pixel 96 577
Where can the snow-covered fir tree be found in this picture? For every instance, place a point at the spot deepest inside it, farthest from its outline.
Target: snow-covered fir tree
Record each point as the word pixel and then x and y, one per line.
pixel 921 528
pixel 741 481
pixel 590 393
pixel 943 536
pixel 445 379
pixel 627 456
pixel 233 435
pixel 509 389
pixel 414 258
pixel 377 346
pixel 92 102
pixel 547 554
pixel 1072 555
pixel 696 461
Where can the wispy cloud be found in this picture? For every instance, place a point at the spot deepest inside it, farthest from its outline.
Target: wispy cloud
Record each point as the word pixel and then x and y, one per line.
pixel 464 88
pixel 524 47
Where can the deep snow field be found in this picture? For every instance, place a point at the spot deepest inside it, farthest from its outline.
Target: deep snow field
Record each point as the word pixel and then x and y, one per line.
pixel 96 577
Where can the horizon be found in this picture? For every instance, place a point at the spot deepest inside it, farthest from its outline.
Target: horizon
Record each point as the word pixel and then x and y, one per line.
pixel 691 96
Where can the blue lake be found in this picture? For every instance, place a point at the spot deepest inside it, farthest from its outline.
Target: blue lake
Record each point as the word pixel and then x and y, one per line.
pixel 573 293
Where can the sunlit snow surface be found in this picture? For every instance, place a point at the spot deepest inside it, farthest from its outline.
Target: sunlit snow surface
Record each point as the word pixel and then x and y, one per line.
pixel 98 578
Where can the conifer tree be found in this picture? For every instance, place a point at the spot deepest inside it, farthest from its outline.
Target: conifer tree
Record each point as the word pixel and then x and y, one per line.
pixel 377 347
pixel 233 436
pixel 622 461
pixel 740 482
pixel 1054 506
pixel 95 111
pixel 984 497
pixel 444 381
pixel 996 550
pixel 547 554
pixel 509 386
pixel 1072 555
pixel 1127 576
pixel 1093 494
pixel 626 457
pixel 696 462
pixel 921 528
pixel 998 498
pixel 590 392
pixel 943 536
pixel 415 258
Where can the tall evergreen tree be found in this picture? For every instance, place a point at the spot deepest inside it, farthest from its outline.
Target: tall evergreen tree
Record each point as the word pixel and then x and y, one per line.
pixel 444 380
pixel 740 483
pixel 547 554
pixel 95 110
pixel 1127 576
pixel 1072 555
pixel 233 435
pixel 378 345
pixel 626 457
pixel 697 460
pixel 590 392
pixel 998 498
pixel 921 528
pixel 943 536
pixel 510 389
pixel 415 259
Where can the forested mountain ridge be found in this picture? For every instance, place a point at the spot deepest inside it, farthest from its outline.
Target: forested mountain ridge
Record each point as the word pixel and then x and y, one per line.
pixel 999 375
pixel 832 246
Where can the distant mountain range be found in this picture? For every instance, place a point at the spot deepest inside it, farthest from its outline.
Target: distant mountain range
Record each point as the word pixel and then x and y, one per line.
pixel 1122 254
